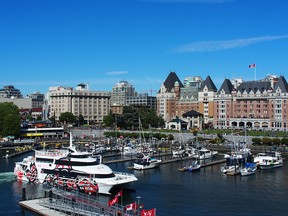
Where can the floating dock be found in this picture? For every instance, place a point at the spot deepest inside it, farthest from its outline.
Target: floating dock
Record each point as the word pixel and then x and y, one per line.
pixel 58 201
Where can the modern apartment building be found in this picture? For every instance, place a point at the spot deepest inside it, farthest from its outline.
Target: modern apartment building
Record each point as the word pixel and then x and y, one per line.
pixel 142 99
pixel 10 92
pixel 120 92
pixel 92 105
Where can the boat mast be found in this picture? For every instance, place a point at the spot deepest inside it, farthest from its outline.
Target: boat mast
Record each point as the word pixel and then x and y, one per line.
pixel 71 140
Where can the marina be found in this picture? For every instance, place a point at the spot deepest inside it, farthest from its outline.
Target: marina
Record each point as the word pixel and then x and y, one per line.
pixel 157 188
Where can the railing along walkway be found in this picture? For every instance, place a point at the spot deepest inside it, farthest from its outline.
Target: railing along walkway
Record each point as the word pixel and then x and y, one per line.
pixel 76 203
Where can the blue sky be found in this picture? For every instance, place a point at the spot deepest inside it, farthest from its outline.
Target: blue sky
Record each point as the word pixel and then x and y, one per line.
pixel 66 42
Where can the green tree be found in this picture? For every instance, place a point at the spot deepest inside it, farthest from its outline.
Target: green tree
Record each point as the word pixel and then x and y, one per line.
pixel 108 120
pixel 129 119
pixel 67 118
pixel 80 119
pixel 10 119
pixel 284 141
pixel 256 140
pixel 266 141
pixel 276 141
pixel 53 120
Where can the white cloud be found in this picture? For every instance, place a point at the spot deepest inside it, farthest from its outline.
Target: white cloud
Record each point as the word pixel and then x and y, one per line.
pixel 210 46
pixel 117 72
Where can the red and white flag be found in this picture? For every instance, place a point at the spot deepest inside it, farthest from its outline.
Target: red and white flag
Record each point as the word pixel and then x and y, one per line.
pixel 151 212
pixel 119 193
pixel 132 206
pixel 113 201
pixel 252 65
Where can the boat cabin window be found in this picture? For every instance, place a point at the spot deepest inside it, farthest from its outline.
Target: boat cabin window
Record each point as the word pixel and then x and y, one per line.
pixel 44 160
pixel 111 175
pixel 76 163
pixel 78 156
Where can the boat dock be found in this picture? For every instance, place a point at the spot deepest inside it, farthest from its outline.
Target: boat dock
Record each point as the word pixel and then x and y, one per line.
pixel 203 164
pixel 57 201
pixel 17 153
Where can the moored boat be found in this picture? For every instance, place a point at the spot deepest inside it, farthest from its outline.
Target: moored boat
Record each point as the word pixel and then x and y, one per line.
pixel 204 153
pixel 270 162
pixel 63 166
pixel 248 169
pixel 146 162
pixel 194 166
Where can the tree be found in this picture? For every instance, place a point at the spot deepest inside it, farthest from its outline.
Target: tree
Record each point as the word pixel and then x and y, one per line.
pixel 80 119
pixel 256 140
pixel 108 120
pixel 67 118
pixel 10 119
pixel 129 119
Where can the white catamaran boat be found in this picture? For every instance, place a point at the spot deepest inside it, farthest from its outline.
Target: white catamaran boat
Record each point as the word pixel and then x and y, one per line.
pixel 71 169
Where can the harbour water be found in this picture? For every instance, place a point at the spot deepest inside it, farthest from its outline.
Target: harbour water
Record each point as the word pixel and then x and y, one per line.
pixel 176 193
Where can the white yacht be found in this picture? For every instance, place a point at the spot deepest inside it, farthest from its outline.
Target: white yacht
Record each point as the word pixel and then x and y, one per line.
pixel 146 162
pixel 271 161
pixel 129 150
pixel 66 167
pixel 204 153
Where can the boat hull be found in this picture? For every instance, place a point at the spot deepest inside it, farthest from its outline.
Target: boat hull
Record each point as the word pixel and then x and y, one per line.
pixel 270 166
pixel 144 167
pixel 30 171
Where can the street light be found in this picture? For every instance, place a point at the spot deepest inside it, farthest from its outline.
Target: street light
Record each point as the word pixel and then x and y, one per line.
pixel 138 203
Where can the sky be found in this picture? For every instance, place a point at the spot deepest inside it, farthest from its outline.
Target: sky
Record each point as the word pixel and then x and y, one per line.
pixel 46 43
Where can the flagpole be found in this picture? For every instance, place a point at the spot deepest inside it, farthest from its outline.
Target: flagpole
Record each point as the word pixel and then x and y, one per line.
pixel 121 197
pixel 255 71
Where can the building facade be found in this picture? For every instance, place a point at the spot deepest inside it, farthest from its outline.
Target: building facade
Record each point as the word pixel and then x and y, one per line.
pixel 10 92
pixel 120 92
pixel 92 105
pixel 260 105
pixel 142 99
pixel 168 96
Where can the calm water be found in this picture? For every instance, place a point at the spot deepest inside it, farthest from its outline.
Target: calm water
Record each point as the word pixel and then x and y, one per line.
pixel 171 192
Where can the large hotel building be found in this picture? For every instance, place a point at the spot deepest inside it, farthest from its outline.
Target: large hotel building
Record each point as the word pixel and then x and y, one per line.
pixel 237 104
pixel 92 105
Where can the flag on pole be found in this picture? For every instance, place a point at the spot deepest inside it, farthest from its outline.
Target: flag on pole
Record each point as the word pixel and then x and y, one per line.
pixel 252 65
pixel 119 193
pixel 113 201
pixel 132 206
pixel 151 212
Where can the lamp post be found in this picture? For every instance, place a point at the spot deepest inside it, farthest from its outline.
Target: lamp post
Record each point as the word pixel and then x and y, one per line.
pixel 138 204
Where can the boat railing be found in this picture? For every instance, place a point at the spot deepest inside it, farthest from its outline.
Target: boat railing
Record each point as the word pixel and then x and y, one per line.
pixel 124 174
pixel 77 203
pixel 51 153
